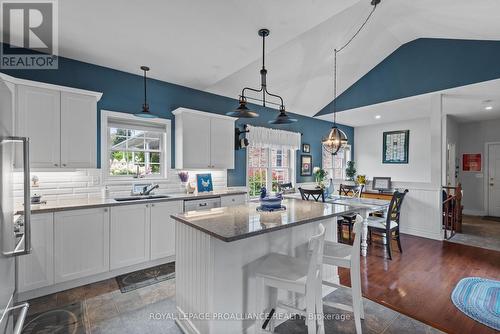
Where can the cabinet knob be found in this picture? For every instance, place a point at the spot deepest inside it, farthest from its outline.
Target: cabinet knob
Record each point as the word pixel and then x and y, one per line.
pixel 106 210
pixel 152 205
pixel 147 205
pixel 56 165
pixel 64 165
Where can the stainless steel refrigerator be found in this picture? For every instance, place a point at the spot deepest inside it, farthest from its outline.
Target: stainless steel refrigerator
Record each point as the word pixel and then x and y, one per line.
pixel 15 238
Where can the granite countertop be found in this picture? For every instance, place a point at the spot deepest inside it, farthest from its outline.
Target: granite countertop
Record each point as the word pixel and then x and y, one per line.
pixel 97 202
pixel 244 221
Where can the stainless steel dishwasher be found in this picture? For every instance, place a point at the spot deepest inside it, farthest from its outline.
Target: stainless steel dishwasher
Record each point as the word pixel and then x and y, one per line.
pixel 201 204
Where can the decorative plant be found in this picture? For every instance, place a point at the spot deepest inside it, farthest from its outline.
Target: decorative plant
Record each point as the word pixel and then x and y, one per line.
pixel 184 176
pixel 350 171
pixel 320 176
pixel 361 179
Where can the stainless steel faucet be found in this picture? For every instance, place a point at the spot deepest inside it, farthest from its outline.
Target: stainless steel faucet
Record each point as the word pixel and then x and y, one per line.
pixel 148 189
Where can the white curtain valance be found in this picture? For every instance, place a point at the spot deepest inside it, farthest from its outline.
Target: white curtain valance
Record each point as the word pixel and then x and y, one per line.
pixel 265 137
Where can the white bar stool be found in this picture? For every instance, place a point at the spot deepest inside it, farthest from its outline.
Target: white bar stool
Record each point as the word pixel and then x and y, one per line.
pixel 347 256
pixel 294 274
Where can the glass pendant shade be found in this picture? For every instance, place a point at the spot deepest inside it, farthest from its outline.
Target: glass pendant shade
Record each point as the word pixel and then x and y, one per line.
pixel 242 111
pixel 283 118
pixel 336 140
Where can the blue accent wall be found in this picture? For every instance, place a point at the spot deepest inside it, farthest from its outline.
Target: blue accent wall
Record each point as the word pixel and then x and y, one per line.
pixel 124 92
pixel 422 66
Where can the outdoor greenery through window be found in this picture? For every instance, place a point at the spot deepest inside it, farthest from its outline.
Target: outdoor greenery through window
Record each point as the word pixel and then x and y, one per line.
pixel 135 152
pixel 267 167
pixel 335 165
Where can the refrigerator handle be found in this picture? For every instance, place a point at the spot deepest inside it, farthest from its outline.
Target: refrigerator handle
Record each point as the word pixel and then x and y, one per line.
pixel 26 238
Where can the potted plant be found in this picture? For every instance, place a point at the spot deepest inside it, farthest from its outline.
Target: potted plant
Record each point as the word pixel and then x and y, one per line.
pixel 350 171
pixel 320 176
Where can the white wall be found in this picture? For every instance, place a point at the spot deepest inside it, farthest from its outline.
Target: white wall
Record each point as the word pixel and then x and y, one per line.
pixel 472 139
pixel 368 151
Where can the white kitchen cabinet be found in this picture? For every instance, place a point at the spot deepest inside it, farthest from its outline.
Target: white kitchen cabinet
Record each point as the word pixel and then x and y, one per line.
pixel 222 143
pixel 203 140
pixel 130 235
pixel 36 270
pixel 231 200
pixel 38 117
pixel 163 228
pixel 81 243
pixel 78 130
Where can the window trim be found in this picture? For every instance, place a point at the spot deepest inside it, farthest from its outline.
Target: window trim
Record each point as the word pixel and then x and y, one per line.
pixel 167 144
pixel 292 166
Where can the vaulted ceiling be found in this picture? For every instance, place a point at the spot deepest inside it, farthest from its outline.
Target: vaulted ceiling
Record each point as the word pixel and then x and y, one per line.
pixel 213 45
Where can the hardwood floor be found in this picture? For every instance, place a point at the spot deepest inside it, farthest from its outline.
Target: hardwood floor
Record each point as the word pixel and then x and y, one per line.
pixel 419 282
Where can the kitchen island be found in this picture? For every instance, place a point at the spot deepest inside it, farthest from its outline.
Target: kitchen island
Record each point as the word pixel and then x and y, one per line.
pixel 218 249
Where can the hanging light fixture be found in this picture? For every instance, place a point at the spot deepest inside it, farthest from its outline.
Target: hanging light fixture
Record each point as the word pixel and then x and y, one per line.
pixel 243 111
pixel 337 139
pixel 145 107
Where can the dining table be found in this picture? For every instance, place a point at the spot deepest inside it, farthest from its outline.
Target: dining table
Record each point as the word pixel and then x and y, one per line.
pixel 360 205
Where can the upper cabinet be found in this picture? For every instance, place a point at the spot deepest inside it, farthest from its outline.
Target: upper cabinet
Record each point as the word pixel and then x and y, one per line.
pixel 203 140
pixel 61 123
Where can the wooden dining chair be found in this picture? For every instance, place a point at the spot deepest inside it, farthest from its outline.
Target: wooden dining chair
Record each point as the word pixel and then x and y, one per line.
pixel 388 226
pixel 285 187
pixel 354 191
pixel 316 194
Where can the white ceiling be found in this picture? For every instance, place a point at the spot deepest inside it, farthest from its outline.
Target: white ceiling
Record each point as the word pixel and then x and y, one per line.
pixel 213 45
pixel 466 104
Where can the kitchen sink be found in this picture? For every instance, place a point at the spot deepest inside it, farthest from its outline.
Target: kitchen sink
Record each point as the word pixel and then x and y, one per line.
pixel 139 198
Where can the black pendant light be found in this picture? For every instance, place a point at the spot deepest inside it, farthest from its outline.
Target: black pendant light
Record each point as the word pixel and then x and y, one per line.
pixel 145 113
pixel 243 111
pixel 337 139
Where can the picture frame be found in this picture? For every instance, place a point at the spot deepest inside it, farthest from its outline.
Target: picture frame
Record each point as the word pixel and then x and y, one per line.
pixel 204 182
pixel 395 149
pixel 382 184
pixel 306 165
pixel 306 148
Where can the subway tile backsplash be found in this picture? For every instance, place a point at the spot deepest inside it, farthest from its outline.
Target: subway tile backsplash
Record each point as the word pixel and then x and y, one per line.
pixel 85 183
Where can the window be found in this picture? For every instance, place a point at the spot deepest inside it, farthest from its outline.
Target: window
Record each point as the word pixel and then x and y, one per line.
pixel 335 165
pixel 267 167
pixel 132 147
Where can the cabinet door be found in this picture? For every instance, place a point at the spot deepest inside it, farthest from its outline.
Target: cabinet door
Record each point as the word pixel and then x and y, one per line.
pixel 163 228
pixel 130 235
pixel 195 141
pixel 222 143
pixel 78 131
pixel 81 245
pixel 38 117
pixel 36 270
pixel 232 200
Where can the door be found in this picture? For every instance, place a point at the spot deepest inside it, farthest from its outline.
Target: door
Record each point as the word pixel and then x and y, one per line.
pixel 78 131
pixel 494 180
pixel 38 118
pixel 81 243
pixel 36 270
pixel 222 143
pixel 163 228
pixel 130 235
pixel 196 141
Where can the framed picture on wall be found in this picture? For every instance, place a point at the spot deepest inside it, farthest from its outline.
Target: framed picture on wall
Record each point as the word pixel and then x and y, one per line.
pixel 306 148
pixel 471 162
pixel 395 148
pixel 306 165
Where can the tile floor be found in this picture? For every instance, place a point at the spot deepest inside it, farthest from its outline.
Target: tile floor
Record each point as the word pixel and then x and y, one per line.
pixel 107 310
pixel 479 232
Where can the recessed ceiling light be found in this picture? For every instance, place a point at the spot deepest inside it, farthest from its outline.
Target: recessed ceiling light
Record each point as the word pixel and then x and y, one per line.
pixel 488 107
pixel 378 117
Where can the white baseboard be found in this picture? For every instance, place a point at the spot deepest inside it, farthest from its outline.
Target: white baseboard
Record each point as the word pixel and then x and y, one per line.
pixel 474 212
pixel 23 296
pixel 421 233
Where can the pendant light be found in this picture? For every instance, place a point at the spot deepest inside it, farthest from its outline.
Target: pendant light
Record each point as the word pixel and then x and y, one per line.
pixel 145 107
pixel 243 111
pixel 337 139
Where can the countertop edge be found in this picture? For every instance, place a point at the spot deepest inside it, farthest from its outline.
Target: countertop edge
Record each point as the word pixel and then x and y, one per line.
pixel 178 197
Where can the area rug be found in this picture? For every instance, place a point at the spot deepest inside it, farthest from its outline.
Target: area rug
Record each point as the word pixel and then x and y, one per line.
pixel 145 277
pixel 479 298
pixel 68 319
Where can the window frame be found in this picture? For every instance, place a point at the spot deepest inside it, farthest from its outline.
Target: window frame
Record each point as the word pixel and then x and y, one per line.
pixel 269 168
pixel 347 158
pixel 165 144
